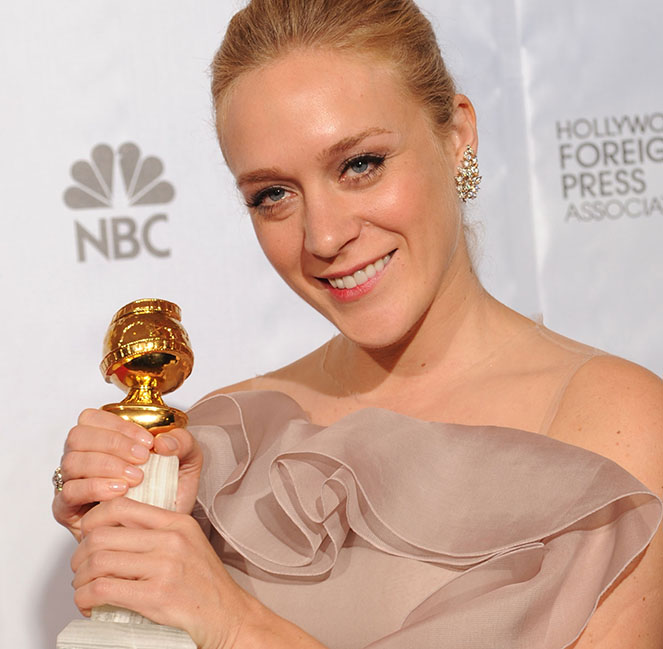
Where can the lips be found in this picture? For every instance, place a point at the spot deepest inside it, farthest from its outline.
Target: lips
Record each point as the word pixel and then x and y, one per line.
pixel 360 276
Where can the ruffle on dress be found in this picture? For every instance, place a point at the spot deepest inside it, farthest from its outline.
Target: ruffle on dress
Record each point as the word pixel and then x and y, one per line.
pixel 531 531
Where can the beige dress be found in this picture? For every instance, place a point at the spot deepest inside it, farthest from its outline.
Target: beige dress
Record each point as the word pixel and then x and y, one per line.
pixel 389 532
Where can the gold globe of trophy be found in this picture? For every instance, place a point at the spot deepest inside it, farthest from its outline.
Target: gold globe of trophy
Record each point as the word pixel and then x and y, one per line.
pixel 146 353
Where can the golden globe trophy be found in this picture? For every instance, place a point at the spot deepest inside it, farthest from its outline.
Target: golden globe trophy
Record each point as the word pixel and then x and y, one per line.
pixel 147 353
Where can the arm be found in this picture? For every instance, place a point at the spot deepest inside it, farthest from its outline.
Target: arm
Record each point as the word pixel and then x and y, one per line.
pixel 615 408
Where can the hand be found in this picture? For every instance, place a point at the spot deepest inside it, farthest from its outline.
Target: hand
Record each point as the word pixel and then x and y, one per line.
pixel 101 460
pixel 159 564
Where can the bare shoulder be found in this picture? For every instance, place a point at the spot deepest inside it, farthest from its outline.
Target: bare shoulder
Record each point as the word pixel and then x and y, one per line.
pixel 263 382
pixel 615 408
pixel 254 383
pixel 296 379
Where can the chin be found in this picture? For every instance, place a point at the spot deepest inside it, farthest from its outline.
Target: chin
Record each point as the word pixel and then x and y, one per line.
pixel 378 332
pixel 377 342
pixel 368 323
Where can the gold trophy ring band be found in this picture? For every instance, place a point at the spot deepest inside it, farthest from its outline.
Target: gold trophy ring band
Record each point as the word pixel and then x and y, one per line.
pixel 57 480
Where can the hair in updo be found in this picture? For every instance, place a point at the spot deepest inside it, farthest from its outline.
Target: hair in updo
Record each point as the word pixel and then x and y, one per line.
pixel 394 32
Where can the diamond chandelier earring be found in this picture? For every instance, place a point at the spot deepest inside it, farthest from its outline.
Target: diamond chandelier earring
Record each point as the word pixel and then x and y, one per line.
pixel 468 178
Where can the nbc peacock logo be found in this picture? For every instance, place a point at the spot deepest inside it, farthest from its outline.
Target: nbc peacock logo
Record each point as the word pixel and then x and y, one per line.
pixel 121 180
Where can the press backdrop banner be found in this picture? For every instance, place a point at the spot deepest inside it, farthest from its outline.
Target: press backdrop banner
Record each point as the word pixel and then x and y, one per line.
pixel 113 189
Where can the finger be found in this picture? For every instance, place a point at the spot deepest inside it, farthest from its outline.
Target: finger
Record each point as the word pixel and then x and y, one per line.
pixel 180 442
pixel 86 438
pixel 98 418
pixel 128 513
pixel 105 547
pixel 77 465
pixel 77 493
pixel 77 497
pixel 112 563
pixel 121 539
pixel 125 593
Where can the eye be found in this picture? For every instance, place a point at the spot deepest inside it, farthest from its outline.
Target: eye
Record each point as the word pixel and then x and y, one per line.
pixel 359 166
pixel 362 166
pixel 265 197
pixel 275 194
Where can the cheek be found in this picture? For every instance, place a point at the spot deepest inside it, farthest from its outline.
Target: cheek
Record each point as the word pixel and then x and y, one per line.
pixel 281 244
pixel 416 205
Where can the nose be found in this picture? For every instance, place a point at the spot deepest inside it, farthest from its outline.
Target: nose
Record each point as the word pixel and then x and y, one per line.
pixel 329 225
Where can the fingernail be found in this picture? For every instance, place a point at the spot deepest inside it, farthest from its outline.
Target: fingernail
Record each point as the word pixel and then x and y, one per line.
pixel 117 487
pixel 140 452
pixel 169 441
pixel 133 473
pixel 147 440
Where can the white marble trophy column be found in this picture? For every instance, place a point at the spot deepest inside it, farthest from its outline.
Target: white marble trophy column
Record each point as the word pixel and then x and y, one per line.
pixel 116 628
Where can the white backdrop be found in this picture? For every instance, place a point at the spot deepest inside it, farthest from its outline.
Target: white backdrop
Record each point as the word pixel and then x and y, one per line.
pixel 570 218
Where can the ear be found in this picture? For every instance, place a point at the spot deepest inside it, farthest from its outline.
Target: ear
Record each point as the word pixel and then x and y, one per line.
pixel 463 127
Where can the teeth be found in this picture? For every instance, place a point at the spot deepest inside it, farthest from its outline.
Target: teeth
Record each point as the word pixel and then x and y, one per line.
pixel 349 281
pixel 361 276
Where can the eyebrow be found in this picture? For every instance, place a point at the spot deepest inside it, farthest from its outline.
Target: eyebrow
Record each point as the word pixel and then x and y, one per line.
pixel 351 141
pixel 270 173
pixel 259 176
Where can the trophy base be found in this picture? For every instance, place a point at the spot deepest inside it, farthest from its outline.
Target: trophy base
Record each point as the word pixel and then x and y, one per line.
pixel 89 634
pixel 156 418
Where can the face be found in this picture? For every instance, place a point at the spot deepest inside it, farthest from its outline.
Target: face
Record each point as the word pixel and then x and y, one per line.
pixel 350 192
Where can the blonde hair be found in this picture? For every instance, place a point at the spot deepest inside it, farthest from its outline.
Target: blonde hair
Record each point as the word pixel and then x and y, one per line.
pixel 390 31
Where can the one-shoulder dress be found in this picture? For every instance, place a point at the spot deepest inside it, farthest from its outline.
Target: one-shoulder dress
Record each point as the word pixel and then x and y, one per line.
pixel 389 532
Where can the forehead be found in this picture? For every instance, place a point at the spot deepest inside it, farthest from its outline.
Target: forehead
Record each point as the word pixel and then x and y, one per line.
pixel 306 101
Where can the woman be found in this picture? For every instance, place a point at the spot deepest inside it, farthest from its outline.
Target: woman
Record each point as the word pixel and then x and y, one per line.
pixel 328 523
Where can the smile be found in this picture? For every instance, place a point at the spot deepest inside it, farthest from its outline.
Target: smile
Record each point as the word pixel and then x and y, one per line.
pixel 360 276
